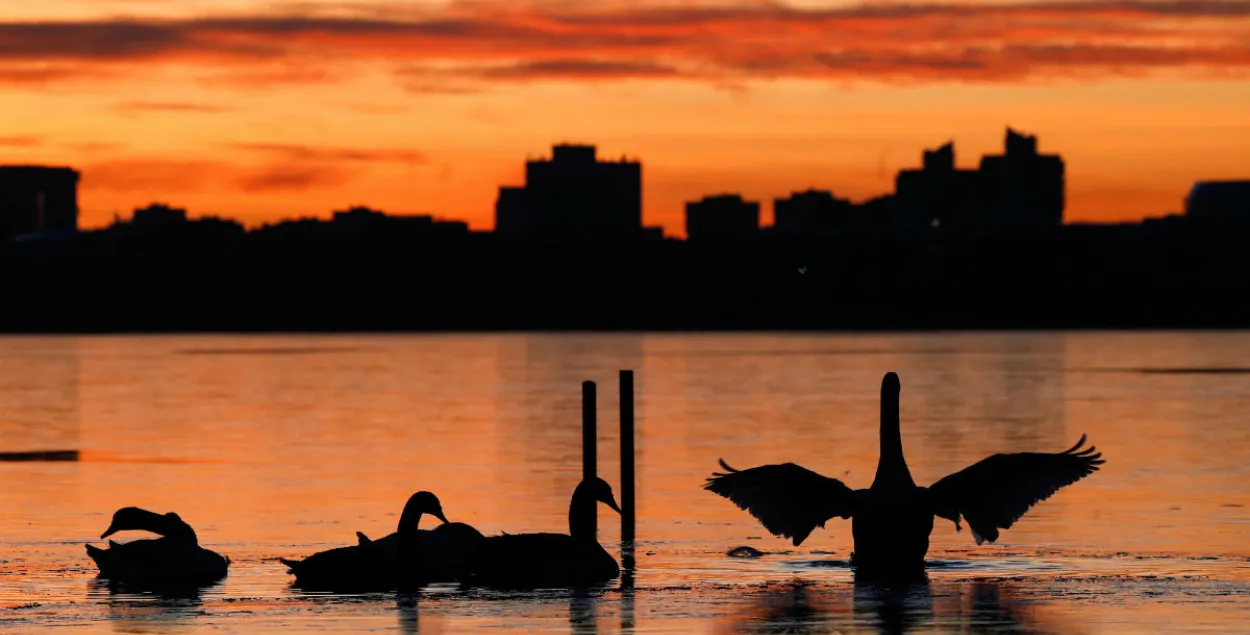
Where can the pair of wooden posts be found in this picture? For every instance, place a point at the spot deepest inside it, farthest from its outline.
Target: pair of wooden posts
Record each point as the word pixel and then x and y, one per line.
pixel 590 464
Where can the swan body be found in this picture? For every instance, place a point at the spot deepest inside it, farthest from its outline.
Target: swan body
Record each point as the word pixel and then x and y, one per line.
pixel 446 553
pixel 352 568
pixel 549 560
pixel 398 559
pixel 892 519
pixel 174 560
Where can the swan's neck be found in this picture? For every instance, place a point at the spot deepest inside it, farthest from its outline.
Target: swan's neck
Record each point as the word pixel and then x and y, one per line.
pixel 183 532
pixel 409 520
pixel 891 466
pixel 167 526
pixel 583 515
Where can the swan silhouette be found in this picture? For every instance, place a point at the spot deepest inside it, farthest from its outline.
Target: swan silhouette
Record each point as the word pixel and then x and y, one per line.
pixel 408 557
pixel 891 520
pixel 176 559
pixel 548 560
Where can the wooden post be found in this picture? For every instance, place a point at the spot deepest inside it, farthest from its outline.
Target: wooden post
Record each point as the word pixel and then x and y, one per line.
pixel 627 457
pixel 590 466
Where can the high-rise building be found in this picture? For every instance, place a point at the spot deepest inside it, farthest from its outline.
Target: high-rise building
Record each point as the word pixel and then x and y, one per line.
pixel 722 217
pixel 1018 189
pixel 573 195
pixel 939 195
pixel 37 199
pixel 511 212
pixel 1021 188
pixel 811 213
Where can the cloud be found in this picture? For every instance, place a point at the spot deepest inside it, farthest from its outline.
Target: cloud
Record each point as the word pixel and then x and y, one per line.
pixel 290 177
pixel 22 73
pixel 588 69
pixel 152 175
pixel 169 106
pixel 94 146
pixel 161 176
pixel 21 141
pixel 297 152
pixel 485 41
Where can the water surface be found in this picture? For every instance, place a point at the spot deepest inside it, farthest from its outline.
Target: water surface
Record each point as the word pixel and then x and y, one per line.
pixel 284 445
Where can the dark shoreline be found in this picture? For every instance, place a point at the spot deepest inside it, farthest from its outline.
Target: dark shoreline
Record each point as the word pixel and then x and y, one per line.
pixel 209 276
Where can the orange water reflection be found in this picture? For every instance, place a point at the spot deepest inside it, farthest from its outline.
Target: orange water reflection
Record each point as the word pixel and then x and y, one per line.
pixel 282 445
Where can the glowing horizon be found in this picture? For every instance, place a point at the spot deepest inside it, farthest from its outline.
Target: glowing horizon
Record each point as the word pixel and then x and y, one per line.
pixel 260 111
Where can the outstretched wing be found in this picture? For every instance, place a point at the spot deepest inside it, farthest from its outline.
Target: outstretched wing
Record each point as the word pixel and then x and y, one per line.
pixel 994 493
pixel 789 500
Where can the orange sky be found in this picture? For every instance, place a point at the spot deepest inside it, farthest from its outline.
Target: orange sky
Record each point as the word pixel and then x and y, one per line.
pixel 259 110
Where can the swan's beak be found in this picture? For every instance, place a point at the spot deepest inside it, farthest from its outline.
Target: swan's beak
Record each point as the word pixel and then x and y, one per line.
pixel 611 502
pixel 110 531
pixel 439 515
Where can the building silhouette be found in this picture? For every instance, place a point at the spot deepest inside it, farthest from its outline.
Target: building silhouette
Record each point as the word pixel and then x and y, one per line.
pixel 722 217
pixel 36 199
pixel 811 213
pixel 1019 189
pixel 1219 200
pixel 1022 189
pixel 510 213
pixel 573 196
pixel 939 195
pixel 158 215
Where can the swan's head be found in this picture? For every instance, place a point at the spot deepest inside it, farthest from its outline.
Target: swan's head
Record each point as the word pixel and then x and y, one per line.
pixel 601 491
pixel 890 385
pixel 139 519
pixel 418 504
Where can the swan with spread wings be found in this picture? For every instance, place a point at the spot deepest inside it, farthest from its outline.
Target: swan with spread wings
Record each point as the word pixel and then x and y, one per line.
pixel 892 519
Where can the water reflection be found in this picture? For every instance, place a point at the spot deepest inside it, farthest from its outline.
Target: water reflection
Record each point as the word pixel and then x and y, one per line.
pixel 132 611
pixel 408 611
pixel 628 571
pixel 893 607
pixel 888 608
pixel 583 618
pixel 790 608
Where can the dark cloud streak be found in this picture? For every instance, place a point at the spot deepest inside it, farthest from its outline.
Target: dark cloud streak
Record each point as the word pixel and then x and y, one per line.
pixel 170 106
pixel 21 141
pixel 297 152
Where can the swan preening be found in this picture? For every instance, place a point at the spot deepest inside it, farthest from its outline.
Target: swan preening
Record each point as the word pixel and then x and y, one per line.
pixel 457 552
pixel 892 519
pixel 176 559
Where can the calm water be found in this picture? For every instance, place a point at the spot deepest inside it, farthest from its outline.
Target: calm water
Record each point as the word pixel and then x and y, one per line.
pixel 284 445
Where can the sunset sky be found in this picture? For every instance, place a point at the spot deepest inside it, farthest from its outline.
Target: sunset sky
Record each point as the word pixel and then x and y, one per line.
pixel 260 110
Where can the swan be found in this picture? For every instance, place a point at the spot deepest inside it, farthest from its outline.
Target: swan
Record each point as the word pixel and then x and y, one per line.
pixel 546 560
pixel 176 559
pixel 399 558
pixel 445 553
pixel 891 520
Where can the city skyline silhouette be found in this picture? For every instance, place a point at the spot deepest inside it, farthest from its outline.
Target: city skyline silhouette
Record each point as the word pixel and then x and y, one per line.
pixel 575 193
pixel 253 111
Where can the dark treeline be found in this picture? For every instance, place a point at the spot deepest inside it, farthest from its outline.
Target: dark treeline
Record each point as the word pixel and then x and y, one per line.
pixel 308 275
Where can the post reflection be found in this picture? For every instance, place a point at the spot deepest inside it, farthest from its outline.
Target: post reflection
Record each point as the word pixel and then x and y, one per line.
pixel 628 566
pixel 888 608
